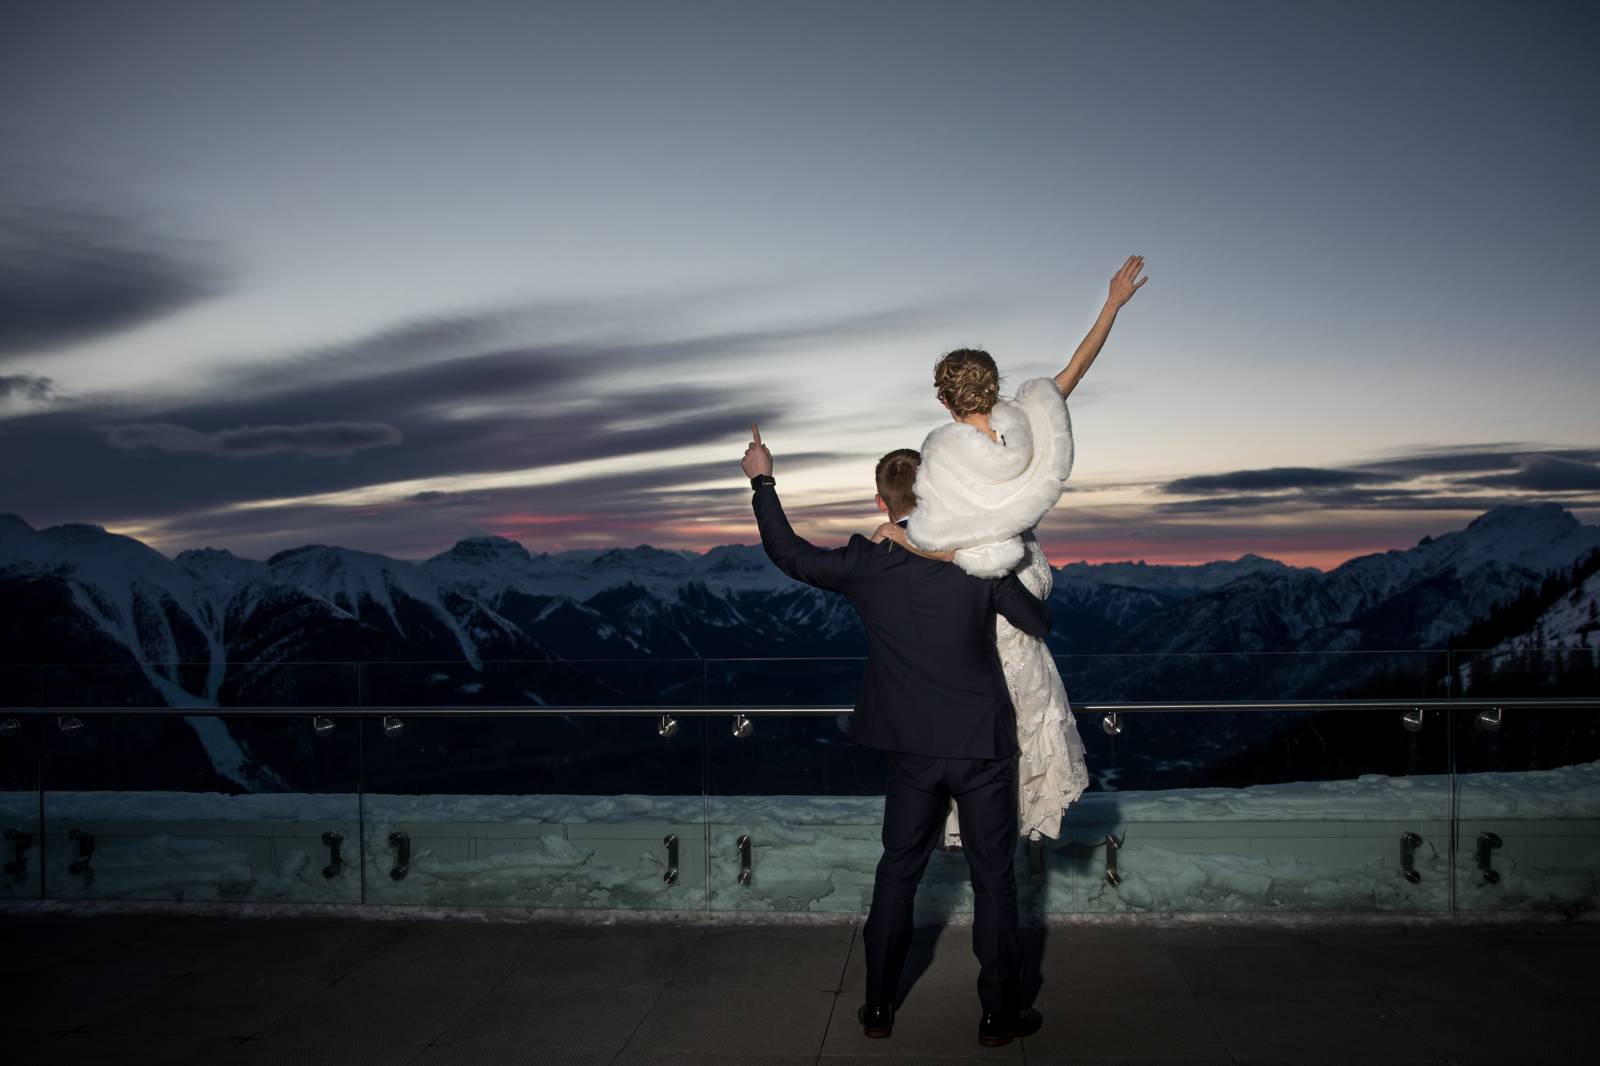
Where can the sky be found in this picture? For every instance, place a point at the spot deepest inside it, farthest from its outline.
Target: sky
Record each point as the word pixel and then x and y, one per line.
pixel 389 275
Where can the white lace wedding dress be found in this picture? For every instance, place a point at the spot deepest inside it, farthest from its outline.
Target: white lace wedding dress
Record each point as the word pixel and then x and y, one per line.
pixel 1052 771
pixel 983 498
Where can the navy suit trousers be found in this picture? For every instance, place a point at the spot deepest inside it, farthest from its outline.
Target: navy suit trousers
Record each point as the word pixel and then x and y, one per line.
pixel 916 802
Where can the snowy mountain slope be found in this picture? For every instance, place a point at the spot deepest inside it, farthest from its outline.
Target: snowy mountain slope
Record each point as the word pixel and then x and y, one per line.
pixel 1449 580
pixel 1572 622
pixel 353 580
pixel 1169 579
pixel 286 629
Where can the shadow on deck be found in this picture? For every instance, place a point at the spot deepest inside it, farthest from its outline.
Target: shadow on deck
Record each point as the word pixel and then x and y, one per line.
pixel 177 989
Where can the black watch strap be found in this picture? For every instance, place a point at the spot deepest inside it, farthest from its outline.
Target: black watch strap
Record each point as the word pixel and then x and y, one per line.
pixel 762 479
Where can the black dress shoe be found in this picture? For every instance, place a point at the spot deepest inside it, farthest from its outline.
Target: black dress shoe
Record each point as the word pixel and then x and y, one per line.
pixel 995 1028
pixel 877 1019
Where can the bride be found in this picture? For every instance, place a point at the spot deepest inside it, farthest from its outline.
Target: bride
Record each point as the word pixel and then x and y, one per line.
pixel 984 483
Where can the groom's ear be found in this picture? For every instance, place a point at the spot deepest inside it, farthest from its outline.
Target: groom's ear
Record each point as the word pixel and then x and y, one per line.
pixel 881 505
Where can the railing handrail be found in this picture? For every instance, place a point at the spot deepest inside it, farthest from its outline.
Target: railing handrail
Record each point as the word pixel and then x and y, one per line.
pixel 1574 703
pixel 782 658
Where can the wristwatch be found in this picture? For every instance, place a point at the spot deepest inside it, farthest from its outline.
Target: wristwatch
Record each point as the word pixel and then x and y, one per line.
pixel 762 479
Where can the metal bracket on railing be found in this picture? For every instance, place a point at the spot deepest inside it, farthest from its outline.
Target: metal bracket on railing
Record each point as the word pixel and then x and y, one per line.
pixel 336 866
pixel 1408 856
pixel 1487 842
pixel 668 726
pixel 1035 863
pixel 1112 844
pixel 671 874
pixel 745 875
pixel 1112 724
pixel 85 851
pixel 69 724
pixel 400 841
pixel 21 840
pixel 741 726
pixel 1489 719
pixel 1412 719
pixel 321 725
pixel 392 725
pixel 9 726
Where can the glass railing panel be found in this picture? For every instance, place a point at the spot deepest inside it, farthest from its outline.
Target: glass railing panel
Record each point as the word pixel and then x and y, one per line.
pixel 21 829
pixel 535 810
pixel 741 683
pixel 535 683
pixel 1217 676
pixel 795 810
pixel 198 685
pixel 1325 808
pixel 20 685
pixel 162 805
pixel 1528 781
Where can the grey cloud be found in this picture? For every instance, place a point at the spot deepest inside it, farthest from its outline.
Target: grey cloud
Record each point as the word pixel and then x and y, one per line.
pixel 640 506
pixel 1469 458
pixel 541 406
pixel 1277 478
pixel 1381 484
pixel 451 358
pixel 1543 473
pixel 31 386
pixel 852 508
pixel 76 464
pixel 1353 499
pixel 243 442
pixel 69 274
pixel 446 337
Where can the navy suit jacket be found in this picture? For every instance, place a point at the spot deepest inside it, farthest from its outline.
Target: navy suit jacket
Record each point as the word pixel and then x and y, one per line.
pixel 933 683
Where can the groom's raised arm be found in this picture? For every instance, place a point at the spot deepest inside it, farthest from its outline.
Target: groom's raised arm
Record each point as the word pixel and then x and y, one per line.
pixel 790 552
pixel 826 568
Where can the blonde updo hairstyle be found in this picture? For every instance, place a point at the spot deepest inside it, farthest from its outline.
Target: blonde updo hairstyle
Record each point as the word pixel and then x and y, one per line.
pixel 967 381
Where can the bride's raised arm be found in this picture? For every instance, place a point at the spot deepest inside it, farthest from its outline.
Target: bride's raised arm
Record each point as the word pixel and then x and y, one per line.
pixel 1122 289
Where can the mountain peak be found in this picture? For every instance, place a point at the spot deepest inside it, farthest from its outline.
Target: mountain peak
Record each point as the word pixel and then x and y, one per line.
pixel 486 546
pixel 289 553
pixel 644 554
pixel 16 520
pixel 1526 515
pixel 204 553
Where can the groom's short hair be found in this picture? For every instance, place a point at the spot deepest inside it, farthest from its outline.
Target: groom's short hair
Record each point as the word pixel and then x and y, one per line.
pixel 896 473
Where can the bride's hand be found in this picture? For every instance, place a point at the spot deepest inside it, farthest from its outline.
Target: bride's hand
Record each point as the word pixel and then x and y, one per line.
pixel 889 531
pixel 896 532
pixel 1122 283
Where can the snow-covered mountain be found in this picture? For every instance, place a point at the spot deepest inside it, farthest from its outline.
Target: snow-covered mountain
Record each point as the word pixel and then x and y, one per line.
pixel 1571 622
pixel 489 621
pixel 1412 598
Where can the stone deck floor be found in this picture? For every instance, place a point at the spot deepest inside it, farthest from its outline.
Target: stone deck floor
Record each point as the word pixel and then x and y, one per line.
pixel 178 989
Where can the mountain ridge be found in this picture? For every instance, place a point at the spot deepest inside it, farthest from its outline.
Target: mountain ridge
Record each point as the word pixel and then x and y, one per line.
pixel 488 621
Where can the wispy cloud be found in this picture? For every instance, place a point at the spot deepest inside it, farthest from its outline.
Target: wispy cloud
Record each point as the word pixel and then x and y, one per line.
pixel 31 386
pixel 1275 479
pixel 1429 480
pixel 69 273
pixel 680 505
pixel 1544 473
pixel 245 442
pixel 456 400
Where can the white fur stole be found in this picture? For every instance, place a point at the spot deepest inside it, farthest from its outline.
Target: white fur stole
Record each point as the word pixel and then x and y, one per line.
pixel 979 495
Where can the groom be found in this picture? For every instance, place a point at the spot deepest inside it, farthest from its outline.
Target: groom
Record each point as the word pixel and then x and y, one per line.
pixel 933 696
